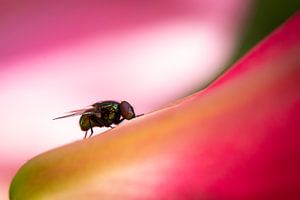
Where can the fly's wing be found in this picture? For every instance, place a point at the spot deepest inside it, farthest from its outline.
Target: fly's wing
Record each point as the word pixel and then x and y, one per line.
pixel 78 112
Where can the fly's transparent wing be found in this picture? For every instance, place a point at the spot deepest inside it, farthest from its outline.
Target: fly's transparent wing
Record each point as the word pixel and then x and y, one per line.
pixel 77 112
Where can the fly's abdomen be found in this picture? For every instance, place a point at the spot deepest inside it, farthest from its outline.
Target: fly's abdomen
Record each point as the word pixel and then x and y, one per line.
pixel 86 122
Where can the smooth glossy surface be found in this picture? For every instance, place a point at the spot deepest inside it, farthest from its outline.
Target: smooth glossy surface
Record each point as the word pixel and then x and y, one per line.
pixel 238 139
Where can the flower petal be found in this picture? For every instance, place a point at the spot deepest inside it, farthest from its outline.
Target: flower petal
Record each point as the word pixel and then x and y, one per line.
pixel 238 139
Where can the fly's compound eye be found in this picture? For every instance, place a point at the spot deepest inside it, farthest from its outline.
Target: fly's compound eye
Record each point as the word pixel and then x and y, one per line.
pixel 127 110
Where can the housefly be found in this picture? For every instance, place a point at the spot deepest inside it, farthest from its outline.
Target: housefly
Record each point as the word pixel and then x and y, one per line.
pixel 102 114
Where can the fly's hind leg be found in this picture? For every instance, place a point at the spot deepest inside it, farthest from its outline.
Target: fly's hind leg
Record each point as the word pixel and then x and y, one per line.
pixel 91 132
pixel 91 128
pixel 85 134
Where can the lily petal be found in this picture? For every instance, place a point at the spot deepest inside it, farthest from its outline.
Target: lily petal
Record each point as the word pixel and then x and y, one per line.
pixel 237 139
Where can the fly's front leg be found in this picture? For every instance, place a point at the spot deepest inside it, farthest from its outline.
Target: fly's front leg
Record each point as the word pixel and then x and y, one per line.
pixel 119 121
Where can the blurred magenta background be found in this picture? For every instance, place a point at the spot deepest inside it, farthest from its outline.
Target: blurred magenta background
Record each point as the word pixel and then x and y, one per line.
pixel 64 55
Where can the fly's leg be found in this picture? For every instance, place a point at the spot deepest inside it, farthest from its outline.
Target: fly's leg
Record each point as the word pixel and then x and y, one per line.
pixel 98 122
pixel 91 132
pixel 85 134
pixel 91 128
pixel 118 122
pixel 121 120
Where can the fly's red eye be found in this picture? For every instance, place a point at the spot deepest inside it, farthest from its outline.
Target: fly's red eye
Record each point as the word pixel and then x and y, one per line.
pixel 126 110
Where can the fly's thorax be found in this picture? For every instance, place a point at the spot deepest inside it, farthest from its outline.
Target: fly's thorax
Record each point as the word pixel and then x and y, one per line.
pixel 109 113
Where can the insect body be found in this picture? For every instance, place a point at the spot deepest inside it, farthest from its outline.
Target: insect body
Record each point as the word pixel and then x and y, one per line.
pixel 103 114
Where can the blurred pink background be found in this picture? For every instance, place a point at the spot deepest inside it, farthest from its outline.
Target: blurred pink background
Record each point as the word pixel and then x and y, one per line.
pixel 56 57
